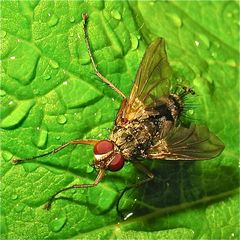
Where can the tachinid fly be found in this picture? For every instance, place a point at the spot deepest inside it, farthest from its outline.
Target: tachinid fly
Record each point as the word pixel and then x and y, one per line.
pixel 147 124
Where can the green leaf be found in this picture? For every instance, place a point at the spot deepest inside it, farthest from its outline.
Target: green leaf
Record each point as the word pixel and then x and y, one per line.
pixel 50 95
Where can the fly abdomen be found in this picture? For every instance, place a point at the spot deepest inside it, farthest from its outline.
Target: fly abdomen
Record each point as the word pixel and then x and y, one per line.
pixel 169 107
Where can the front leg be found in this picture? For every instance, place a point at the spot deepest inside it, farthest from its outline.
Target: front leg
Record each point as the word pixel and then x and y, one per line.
pixel 143 169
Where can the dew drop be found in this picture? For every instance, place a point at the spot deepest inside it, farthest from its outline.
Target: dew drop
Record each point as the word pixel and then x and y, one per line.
pixel 58 138
pixel 17 114
pixel 3 33
pixel 128 216
pixel 42 137
pixel 19 207
pixel 84 59
pixel 177 21
pixel 72 19
pixel 53 64
pixel 205 40
pixel 61 119
pixel 13 57
pixel 30 167
pixel 190 112
pixel 58 223
pixel 2 93
pixel 53 21
pixel 89 169
pixel 6 155
pixel 47 77
pixel 214 54
pixel 134 41
pixel 231 63
pixel 115 14
pixel 14 196
pixel 196 43
pixel 35 91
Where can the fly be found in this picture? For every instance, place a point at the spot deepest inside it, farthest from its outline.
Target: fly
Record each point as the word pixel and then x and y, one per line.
pixel 147 125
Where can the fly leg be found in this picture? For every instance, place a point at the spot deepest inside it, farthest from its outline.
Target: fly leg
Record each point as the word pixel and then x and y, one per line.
pixel 97 180
pixel 85 18
pixel 82 141
pixel 143 169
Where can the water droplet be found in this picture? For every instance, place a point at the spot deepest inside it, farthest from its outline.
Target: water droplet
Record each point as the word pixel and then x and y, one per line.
pixel 89 169
pixel 84 59
pixel 61 119
pixel 42 137
pixel 204 39
pixel 35 91
pixel 3 33
pixel 65 83
pixel 72 19
pixel 14 196
pixel 47 77
pixel 25 56
pixel 134 41
pixel 53 21
pixel 17 114
pixel 217 44
pixel 190 112
pixel 2 93
pixel 30 167
pixel 58 223
pixel 177 21
pixel 231 63
pixel 53 64
pixel 19 207
pixel 214 54
pixel 196 43
pixel 128 216
pixel 7 155
pixel 115 14
pixel 58 138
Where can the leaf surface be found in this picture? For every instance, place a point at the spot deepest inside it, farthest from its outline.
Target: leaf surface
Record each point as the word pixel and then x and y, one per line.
pixel 50 95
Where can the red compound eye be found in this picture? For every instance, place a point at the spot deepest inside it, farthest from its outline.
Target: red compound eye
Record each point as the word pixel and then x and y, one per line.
pixel 103 146
pixel 117 163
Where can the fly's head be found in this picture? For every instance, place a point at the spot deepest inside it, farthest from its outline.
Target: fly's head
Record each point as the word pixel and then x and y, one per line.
pixel 107 156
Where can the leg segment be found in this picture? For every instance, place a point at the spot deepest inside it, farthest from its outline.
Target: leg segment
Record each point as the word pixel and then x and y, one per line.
pixel 97 180
pixel 87 141
pixel 143 169
pixel 85 18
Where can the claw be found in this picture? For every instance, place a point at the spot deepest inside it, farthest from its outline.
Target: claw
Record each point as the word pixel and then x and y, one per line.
pixel 85 17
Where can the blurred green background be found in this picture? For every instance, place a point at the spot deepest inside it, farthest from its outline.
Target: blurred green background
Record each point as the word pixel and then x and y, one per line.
pixel 50 95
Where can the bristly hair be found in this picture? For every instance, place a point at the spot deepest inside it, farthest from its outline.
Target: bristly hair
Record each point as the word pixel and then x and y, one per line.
pixel 187 96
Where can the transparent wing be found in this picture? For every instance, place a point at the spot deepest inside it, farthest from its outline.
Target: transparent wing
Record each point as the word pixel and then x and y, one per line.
pixel 152 81
pixel 193 143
